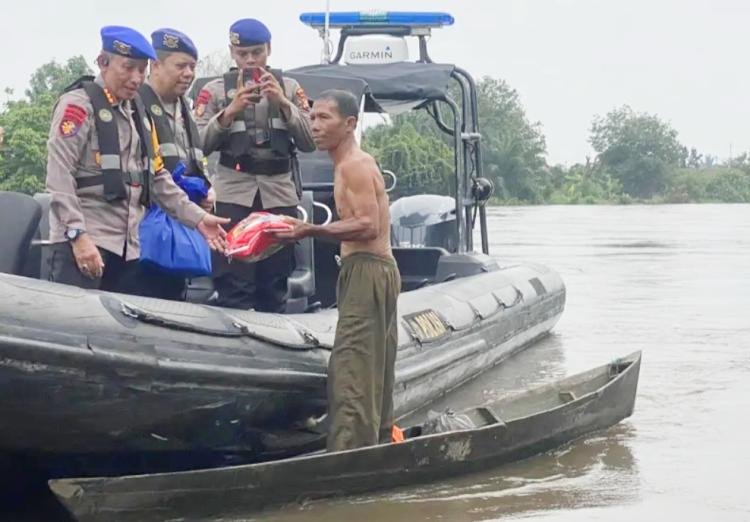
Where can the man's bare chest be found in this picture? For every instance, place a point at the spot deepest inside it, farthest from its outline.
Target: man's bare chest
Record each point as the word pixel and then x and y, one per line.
pixel 341 196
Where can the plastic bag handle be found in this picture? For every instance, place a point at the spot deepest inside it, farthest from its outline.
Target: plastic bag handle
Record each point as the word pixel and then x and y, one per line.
pixel 327 209
pixel 302 211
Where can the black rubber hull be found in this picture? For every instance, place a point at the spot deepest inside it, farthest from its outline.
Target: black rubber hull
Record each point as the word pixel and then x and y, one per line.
pixel 84 386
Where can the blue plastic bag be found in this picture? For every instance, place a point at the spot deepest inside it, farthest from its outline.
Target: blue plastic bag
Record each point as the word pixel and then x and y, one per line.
pixel 194 186
pixel 171 247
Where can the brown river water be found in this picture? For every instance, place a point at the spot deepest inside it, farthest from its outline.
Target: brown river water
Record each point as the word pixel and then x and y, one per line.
pixel 672 281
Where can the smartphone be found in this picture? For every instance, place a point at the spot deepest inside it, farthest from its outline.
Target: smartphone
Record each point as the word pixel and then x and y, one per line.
pixel 251 75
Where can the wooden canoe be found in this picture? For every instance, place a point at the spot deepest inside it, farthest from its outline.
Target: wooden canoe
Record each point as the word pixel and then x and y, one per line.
pixel 508 429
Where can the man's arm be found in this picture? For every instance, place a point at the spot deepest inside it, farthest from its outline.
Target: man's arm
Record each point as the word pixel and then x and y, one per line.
pixel 360 198
pixel 176 203
pixel 68 136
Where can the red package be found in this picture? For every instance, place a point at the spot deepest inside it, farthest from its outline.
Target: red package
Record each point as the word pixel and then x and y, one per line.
pixel 248 241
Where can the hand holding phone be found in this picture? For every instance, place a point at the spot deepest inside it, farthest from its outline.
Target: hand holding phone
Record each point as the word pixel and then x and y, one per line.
pixel 250 77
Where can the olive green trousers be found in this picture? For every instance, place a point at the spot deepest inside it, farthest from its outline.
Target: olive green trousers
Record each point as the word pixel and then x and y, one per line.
pixel 361 367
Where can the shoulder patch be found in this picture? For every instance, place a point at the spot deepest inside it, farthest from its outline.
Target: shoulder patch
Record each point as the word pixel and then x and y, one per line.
pixel 302 102
pixel 72 120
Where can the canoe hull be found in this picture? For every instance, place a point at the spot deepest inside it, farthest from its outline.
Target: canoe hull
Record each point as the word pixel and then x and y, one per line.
pixel 243 489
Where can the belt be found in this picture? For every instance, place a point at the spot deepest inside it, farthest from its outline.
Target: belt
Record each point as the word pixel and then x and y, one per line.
pixel 250 165
pixel 135 179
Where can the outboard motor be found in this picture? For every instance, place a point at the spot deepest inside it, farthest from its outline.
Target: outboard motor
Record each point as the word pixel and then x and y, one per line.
pixel 426 220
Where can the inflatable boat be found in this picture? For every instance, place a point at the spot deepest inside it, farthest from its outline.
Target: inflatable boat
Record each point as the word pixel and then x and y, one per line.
pixel 94 383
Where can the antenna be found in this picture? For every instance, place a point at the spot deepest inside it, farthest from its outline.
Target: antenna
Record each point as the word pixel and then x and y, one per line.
pixel 326 35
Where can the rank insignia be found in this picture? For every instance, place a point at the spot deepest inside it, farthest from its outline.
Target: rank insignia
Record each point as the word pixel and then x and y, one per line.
pixel 156 110
pixel 72 120
pixel 122 47
pixel 105 115
pixel 171 41
pixel 110 97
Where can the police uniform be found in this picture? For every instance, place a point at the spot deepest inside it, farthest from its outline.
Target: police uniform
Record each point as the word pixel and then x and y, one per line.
pixel 179 138
pixel 255 172
pixel 100 184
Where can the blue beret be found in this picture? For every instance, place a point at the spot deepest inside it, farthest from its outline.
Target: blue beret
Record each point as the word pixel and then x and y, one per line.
pixel 247 32
pixel 125 41
pixel 173 41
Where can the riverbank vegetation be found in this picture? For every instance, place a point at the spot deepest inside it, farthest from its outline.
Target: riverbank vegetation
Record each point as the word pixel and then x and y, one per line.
pixel 637 157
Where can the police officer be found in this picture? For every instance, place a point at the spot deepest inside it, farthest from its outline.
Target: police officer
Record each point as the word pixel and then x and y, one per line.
pixel 163 95
pixel 257 119
pixel 103 167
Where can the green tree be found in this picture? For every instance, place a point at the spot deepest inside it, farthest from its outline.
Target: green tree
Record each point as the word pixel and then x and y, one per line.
pixel 694 159
pixel 637 149
pixel 587 184
pixel 513 148
pixel 422 161
pixel 729 186
pixel 708 184
pixel 23 154
pixel 741 162
pixel 686 185
pixel 52 78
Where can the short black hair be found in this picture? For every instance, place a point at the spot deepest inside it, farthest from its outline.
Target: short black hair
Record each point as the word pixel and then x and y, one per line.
pixel 346 102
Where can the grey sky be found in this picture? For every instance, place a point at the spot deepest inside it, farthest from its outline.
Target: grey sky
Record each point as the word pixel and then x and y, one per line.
pixel 569 59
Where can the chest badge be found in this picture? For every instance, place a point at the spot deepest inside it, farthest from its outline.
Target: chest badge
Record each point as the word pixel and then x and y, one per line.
pixel 105 115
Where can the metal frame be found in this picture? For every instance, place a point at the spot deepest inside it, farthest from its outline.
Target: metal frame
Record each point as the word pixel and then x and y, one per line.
pixel 464 131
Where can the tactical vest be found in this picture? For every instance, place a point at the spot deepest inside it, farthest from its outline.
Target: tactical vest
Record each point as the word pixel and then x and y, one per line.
pixel 167 140
pixel 244 134
pixel 113 178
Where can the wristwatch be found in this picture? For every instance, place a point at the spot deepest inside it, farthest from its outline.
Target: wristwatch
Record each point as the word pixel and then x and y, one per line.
pixel 73 233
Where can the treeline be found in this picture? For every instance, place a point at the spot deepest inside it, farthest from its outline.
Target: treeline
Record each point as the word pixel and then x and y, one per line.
pixel 638 157
pixel 25 122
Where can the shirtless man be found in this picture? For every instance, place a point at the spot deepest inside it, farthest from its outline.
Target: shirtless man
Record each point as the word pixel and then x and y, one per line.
pixel 361 367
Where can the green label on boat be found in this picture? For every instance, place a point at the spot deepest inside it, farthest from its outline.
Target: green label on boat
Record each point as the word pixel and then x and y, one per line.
pixel 426 325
